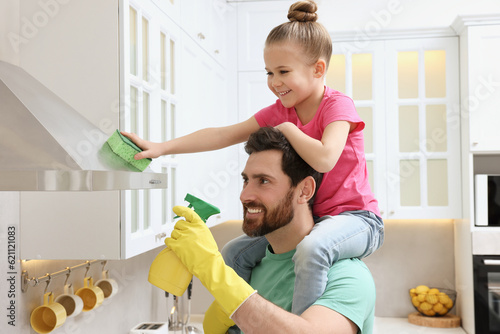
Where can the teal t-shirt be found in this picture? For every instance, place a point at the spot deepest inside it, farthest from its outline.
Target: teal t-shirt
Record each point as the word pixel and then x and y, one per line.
pixel 350 290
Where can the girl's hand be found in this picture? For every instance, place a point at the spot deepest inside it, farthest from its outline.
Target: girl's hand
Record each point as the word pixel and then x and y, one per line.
pixel 149 149
pixel 284 126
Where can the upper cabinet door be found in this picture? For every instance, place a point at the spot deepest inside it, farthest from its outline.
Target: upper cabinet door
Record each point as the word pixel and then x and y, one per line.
pixel 149 91
pixel 406 91
pixel 423 128
pixel 482 105
pixel 205 23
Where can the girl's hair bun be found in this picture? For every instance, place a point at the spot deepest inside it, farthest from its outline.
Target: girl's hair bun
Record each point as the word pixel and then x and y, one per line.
pixel 303 11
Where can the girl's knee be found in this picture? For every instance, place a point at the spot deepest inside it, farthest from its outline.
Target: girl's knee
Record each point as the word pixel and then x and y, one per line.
pixel 307 246
pixel 229 251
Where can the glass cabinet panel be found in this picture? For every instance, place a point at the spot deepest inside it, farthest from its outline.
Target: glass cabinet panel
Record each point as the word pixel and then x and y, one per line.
pixel 145 115
pixel 133 41
pixel 163 60
pixel 409 182
pixel 366 114
pixel 407 74
pixel 408 129
pixel 436 128
pixel 163 121
pixel 134 208
pixel 437 182
pixel 435 73
pixel 134 108
pixel 172 67
pixel 146 221
pixel 362 76
pixel 336 75
pixel 145 49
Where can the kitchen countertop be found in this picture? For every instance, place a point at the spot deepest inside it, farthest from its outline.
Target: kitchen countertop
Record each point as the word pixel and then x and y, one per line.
pixel 382 326
pixel 401 325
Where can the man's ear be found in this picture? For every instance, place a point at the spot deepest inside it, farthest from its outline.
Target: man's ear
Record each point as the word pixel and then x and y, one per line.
pixel 320 68
pixel 307 188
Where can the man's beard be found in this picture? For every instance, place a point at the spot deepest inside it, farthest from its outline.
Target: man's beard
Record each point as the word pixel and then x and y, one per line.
pixel 281 215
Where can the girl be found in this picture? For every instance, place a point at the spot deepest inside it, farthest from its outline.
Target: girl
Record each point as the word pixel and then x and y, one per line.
pixel 324 128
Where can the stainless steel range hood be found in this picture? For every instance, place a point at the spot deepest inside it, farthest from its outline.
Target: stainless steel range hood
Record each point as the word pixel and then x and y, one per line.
pixel 45 144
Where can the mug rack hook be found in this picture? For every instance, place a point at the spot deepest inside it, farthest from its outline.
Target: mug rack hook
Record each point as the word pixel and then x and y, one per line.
pixel 87 270
pixel 49 278
pixel 104 262
pixel 67 275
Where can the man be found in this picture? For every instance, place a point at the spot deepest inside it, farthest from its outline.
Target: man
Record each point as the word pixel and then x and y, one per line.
pixel 277 195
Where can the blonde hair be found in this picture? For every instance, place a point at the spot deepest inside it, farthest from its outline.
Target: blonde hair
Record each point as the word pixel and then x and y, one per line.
pixel 305 31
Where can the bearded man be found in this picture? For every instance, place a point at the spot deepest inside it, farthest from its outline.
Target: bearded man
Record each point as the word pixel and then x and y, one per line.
pixel 277 197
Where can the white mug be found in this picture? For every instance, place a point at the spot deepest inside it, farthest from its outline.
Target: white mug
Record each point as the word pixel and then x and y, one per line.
pixel 71 302
pixel 108 285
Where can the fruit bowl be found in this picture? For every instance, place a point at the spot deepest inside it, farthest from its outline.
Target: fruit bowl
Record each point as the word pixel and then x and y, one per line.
pixel 432 302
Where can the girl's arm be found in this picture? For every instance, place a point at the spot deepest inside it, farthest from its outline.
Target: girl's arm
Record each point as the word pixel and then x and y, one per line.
pixel 322 155
pixel 199 141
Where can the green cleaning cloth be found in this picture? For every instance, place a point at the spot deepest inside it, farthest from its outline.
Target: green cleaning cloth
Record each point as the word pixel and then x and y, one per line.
pixel 126 149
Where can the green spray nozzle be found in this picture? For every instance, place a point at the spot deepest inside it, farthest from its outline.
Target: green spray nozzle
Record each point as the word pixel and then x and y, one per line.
pixel 203 209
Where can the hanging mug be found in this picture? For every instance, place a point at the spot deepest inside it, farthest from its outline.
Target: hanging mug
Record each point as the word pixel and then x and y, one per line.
pixel 108 285
pixel 48 316
pixel 91 295
pixel 71 302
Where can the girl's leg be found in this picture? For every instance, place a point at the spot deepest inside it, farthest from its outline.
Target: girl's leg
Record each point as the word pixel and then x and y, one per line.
pixel 243 253
pixel 353 234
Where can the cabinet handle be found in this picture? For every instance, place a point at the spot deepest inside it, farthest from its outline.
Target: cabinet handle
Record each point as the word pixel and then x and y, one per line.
pixel 474 143
pixel 216 52
pixel 201 36
pixel 160 236
pixel 391 212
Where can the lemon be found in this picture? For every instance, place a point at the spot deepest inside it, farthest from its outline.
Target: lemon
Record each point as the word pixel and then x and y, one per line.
pixel 433 291
pixel 431 298
pixel 421 289
pixel 443 298
pixel 443 311
pixel 425 306
pixel 438 307
pixel 413 293
pixel 415 301
pixel 430 313
pixel 449 304
pixel 421 297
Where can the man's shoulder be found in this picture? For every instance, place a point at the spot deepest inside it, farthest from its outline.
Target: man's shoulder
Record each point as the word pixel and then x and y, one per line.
pixel 350 268
pixel 354 263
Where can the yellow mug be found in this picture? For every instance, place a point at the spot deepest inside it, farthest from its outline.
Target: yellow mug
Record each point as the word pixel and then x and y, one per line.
pixel 91 295
pixel 49 316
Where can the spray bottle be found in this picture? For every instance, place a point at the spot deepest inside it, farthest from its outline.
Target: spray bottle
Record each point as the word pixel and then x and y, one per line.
pixel 167 271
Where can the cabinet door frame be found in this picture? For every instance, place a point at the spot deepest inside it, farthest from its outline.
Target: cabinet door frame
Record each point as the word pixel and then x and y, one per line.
pixel 483 93
pixel 146 216
pixel 384 104
pixel 452 154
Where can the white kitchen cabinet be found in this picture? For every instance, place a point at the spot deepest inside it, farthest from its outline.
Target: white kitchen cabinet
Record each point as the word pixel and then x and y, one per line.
pixel 481 105
pixel 406 91
pixel 255 21
pixel 207 98
pixel 117 63
pixel 204 22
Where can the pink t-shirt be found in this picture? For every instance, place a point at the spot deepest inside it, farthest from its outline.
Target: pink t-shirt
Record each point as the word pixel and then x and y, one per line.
pixel 346 186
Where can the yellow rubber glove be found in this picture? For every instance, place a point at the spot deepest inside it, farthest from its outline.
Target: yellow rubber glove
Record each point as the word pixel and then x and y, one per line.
pixel 216 321
pixel 195 246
